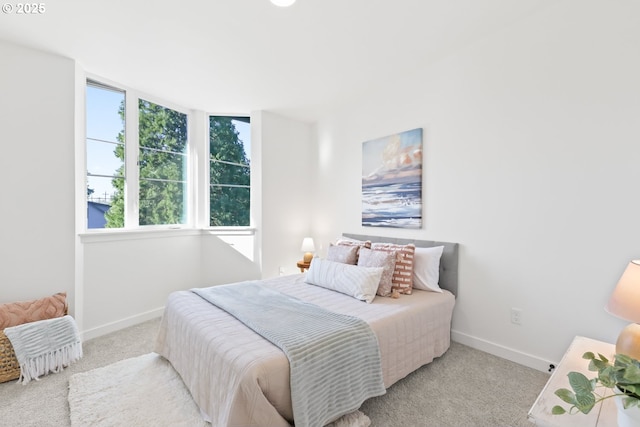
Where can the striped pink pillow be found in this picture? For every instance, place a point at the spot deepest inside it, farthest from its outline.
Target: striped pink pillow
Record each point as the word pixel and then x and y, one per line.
pixel 403 274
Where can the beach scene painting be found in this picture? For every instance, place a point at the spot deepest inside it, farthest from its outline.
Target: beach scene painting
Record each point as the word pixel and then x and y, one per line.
pixel 392 181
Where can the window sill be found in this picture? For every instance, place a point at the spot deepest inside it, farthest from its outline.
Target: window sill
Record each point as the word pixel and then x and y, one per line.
pixel 229 231
pixel 110 235
pixel 113 235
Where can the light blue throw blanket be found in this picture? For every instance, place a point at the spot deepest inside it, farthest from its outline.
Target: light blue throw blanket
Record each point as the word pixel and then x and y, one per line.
pixel 334 359
pixel 45 346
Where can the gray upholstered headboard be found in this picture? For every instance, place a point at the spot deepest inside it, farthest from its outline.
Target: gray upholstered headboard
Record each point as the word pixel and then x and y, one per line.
pixel 448 262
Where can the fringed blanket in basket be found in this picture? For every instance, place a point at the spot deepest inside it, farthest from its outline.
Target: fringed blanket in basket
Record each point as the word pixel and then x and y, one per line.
pixel 17 313
pixel 45 346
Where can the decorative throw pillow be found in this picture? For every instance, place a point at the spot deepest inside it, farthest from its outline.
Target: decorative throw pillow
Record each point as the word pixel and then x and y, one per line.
pixel 343 253
pixel 352 242
pixel 386 260
pixel 358 282
pixel 346 241
pixel 403 272
pixel 426 268
pixel 17 313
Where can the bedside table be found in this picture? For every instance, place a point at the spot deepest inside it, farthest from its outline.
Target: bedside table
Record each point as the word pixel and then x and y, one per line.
pixel 604 414
pixel 303 266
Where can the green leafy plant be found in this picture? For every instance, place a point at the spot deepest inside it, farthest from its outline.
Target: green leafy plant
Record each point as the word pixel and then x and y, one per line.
pixel 622 375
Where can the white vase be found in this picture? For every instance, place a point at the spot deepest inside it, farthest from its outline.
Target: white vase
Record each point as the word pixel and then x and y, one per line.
pixel 627 417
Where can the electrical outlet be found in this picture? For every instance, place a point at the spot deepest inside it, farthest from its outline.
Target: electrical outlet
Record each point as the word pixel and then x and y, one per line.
pixel 281 271
pixel 516 316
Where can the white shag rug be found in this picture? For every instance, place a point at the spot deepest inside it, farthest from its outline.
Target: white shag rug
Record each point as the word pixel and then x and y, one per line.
pixel 141 391
pixel 145 391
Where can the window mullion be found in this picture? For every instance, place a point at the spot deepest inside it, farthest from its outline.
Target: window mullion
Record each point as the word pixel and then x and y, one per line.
pixel 132 149
pixel 198 168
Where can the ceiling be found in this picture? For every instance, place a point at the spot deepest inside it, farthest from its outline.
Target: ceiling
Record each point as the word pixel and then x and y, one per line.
pixel 236 56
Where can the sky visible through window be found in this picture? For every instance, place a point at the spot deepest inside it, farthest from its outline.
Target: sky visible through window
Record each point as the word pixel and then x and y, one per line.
pixel 104 123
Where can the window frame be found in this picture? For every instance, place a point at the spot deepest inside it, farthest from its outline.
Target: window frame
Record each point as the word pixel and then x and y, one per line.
pixel 106 87
pixel 132 150
pixel 207 180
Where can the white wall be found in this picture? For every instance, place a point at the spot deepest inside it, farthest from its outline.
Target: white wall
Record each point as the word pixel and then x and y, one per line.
pixel 37 172
pixel 127 279
pixel 287 177
pixel 532 147
pixel 228 258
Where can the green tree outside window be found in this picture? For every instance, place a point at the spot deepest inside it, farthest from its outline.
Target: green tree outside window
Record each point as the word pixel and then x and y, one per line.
pixel 230 171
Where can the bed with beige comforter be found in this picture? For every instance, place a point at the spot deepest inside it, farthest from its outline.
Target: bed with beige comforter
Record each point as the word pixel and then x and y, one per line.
pixel 238 378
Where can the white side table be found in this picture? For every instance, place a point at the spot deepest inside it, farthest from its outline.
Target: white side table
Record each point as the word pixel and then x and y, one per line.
pixel 604 414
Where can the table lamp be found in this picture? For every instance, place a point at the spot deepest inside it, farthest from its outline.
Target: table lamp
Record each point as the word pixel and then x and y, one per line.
pixel 625 304
pixel 307 248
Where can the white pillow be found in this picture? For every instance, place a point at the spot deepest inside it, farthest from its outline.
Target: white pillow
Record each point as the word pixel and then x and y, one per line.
pixel 358 282
pixel 426 268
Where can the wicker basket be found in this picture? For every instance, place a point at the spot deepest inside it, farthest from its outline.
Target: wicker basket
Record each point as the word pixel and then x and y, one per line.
pixel 9 366
pixel 28 311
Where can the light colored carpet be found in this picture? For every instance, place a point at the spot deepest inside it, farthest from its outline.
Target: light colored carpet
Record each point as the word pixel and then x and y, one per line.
pixel 144 391
pixel 464 387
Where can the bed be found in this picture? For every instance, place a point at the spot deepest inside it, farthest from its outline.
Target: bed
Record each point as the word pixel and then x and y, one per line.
pixel 238 378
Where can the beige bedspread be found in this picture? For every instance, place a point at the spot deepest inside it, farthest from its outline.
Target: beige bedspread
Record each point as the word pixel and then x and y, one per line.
pixel 240 379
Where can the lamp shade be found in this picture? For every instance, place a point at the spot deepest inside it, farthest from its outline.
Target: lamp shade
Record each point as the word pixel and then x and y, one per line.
pixel 307 245
pixel 625 300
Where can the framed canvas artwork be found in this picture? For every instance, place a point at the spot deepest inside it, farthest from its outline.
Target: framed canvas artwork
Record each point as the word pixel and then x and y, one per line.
pixel 392 181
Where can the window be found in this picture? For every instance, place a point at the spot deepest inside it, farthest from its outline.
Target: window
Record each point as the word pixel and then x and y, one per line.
pixel 149 189
pixel 229 171
pixel 105 153
pixel 162 163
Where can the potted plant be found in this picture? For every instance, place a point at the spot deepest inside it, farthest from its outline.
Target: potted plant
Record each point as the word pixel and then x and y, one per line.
pixel 622 376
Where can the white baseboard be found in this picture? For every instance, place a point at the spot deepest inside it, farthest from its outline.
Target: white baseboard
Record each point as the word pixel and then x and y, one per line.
pixel 502 351
pixel 121 324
